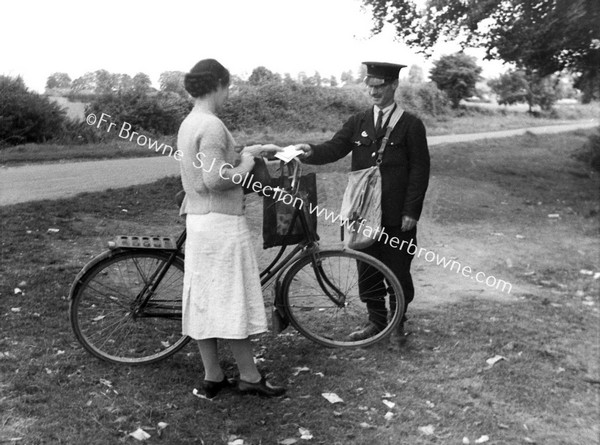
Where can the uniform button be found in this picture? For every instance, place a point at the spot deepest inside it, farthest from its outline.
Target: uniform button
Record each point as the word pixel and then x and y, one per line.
pixel 372 155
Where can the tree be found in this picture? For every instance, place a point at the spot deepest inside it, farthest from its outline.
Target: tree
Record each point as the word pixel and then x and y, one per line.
pixel 415 74
pixel 58 80
pixel 516 86
pixel 141 83
pixel 347 77
pixel 172 82
pixel 456 75
pixel 333 81
pixel 106 83
pixel 541 37
pixel 87 83
pixel 26 116
pixel 261 75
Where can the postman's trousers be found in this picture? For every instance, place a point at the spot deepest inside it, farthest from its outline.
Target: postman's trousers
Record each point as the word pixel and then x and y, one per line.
pixel 395 255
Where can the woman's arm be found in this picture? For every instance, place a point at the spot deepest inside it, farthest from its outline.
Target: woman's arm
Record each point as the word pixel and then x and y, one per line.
pixel 217 172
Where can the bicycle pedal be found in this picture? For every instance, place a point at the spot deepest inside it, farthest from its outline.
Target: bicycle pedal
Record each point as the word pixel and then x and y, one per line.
pixel 144 242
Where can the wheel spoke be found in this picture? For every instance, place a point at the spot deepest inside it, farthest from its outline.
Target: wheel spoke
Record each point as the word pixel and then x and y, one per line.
pixel 102 309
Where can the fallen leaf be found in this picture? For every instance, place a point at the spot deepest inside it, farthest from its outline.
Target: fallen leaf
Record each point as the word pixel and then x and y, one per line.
pixel 586 272
pixel 106 383
pixel 140 434
pixel 554 215
pixel 236 442
pixel 365 425
pixel 301 369
pixel 427 430
pixel 18 291
pixel 429 404
pixel 389 404
pixel 51 230
pixel 289 441
pixel 492 361
pixel 305 434
pixel 15 309
pixel 332 397
pixel 387 395
pixel 162 425
pixel 466 440
pixel 482 439
pixel 389 415
pixel 320 374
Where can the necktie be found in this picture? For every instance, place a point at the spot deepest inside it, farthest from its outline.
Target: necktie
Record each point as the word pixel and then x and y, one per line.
pixel 379 122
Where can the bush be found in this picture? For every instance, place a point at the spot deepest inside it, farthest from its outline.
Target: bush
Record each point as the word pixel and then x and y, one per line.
pixel 159 114
pixel 423 99
pixel 290 106
pixel 593 146
pixel 26 116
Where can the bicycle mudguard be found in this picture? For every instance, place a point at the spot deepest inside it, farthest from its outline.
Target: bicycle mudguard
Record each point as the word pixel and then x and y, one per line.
pixel 143 242
pixel 113 250
pixel 279 319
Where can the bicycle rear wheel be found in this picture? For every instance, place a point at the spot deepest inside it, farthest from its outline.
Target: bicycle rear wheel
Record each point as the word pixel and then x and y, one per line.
pixel 320 295
pixel 105 310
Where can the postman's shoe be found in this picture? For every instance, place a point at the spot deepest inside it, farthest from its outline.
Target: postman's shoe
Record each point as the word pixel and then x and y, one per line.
pixel 367 332
pixel 260 388
pixel 399 337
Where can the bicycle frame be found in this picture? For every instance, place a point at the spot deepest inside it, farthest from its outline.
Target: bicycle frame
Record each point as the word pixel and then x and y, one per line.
pixel 142 306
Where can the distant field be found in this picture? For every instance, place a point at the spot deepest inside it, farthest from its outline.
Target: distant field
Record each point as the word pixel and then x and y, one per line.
pixel 75 110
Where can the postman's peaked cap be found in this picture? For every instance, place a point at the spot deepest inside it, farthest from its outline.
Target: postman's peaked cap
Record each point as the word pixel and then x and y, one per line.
pixel 383 70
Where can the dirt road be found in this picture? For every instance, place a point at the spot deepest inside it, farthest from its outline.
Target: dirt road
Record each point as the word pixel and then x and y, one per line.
pixel 61 180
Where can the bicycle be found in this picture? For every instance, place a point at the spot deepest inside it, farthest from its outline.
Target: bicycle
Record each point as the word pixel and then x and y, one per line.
pixel 125 304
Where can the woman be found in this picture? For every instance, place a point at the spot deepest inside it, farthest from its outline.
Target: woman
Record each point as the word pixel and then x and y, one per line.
pixel 222 296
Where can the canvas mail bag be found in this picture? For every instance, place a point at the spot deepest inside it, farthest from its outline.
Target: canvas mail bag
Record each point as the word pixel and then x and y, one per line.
pixel 361 205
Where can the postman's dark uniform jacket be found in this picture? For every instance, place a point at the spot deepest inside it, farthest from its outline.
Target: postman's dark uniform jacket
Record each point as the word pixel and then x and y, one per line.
pixel 404 167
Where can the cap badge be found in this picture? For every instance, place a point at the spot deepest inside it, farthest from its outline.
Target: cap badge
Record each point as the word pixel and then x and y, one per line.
pixel 364 134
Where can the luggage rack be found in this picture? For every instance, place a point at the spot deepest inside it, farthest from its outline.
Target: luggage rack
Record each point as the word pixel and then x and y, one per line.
pixel 145 242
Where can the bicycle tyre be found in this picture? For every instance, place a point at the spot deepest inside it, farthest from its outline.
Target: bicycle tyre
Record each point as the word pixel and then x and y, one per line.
pixel 102 298
pixel 317 317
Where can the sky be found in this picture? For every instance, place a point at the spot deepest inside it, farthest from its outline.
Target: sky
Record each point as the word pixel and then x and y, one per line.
pixel 41 37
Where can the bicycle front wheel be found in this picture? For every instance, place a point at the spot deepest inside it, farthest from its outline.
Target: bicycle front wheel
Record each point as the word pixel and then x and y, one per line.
pixel 329 295
pixel 114 317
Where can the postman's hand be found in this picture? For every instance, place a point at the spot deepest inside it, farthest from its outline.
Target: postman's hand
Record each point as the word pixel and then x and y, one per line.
pixel 408 223
pixel 307 150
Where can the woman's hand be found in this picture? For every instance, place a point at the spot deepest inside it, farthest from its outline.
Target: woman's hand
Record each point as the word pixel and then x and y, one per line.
pixel 259 150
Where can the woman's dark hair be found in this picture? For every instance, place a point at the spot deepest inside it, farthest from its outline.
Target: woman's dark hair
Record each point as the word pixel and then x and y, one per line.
pixel 205 77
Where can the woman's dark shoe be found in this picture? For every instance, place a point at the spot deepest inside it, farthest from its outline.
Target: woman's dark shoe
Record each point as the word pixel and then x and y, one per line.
pixel 261 388
pixel 211 389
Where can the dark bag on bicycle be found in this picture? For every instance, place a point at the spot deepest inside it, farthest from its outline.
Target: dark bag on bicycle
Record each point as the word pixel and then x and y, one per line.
pixel 361 205
pixel 258 177
pixel 281 223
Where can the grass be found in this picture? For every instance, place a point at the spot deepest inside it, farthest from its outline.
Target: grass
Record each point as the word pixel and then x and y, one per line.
pixel 471 119
pixel 544 391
